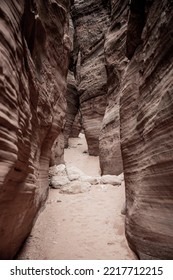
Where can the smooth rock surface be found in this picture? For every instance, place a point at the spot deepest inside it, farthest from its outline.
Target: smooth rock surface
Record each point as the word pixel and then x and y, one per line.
pixel 57 151
pixel 76 187
pixel 58 181
pixel 91 179
pixel 73 172
pixel 59 170
pixel 62 174
pixel 111 179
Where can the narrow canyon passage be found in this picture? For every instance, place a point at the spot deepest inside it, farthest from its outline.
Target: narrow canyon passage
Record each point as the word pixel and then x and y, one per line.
pixel 86 225
pixel 103 67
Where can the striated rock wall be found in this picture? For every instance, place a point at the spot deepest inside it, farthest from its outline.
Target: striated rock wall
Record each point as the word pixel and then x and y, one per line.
pixel 116 61
pixel 147 129
pixel 77 125
pixel 91 20
pixel 72 98
pixel 34 51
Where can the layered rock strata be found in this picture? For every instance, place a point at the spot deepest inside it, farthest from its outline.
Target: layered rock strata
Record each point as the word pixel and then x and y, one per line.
pixel 77 125
pixel 147 129
pixel 116 61
pixel 34 60
pixel 72 106
pixel 72 96
pixel 91 20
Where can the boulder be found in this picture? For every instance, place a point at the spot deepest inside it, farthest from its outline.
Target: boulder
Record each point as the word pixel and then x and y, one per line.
pixel 59 170
pixel 73 172
pixel 111 179
pixel 91 179
pixel 76 187
pixel 57 151
pixel 57 182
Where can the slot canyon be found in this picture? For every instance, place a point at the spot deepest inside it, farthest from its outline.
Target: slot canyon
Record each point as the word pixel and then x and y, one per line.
pixel 86 129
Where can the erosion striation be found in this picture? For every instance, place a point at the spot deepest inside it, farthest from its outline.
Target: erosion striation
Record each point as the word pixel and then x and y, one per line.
pixel 72 98
pixel 147 129
pixel 91 20
pixel 34 51
pixel 71 95
pixel 116 61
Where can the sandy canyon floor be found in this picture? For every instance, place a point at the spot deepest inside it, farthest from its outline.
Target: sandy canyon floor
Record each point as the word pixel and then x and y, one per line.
pixel 81 226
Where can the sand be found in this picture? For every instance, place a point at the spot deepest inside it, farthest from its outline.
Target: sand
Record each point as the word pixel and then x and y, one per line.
pixel 83 226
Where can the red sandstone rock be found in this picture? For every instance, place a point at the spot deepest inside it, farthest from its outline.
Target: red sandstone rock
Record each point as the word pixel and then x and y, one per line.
pixel 77 126
pixel 109 140
pixel 57 151
pixel 147 133
pixel 72 98
pixel 34 59
pixel 91 19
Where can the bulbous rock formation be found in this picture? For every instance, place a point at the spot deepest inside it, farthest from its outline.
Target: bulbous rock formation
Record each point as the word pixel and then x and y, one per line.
pixel 57 151
pixel 147 129
pixel 34 60
pixel 109 140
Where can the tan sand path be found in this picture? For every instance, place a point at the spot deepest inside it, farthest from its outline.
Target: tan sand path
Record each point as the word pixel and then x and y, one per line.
pixel 82 226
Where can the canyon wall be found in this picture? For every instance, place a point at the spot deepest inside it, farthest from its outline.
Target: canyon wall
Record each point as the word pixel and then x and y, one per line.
pixel 146 114
pixel 72 106
pixel 122 73
pixel 34 60
pixel 116 61
pixel 91 20
pixel 77 125
pixel 71 95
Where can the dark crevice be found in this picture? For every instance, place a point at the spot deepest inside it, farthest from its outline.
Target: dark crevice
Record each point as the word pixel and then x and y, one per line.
pixel 28 24
pixel 136 24
pixel 33 33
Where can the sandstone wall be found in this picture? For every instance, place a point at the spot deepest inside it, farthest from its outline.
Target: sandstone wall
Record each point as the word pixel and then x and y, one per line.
pixel 77 125
pixel 91 20
pixel 109 141
pixel 34 51
pixel 71 95
pixel 57 151
pixel 147 129
pixel 72 98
